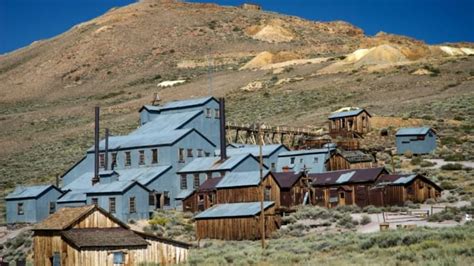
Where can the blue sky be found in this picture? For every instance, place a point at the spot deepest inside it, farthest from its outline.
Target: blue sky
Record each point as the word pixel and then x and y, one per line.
pixel 434 21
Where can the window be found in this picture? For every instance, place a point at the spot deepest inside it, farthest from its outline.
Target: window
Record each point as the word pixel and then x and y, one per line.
pixel 200 153
pixel 292 160
pixel 209 175
pixel 341 195
pixel 181 155
pixel 222 173
pixel 267 193
pixel 141 157
pixel 196 181
pixel 151 199
pixel 207 154
pixel 128 159
pixel 405 142
pixel 154 155
pixel 166 196
pixel 112 205
pixel 315 160
pixel 301 160
pixel 131 205
pixel 217 115
pixel 56 259
pixel 102 160
pixel 114 159
pixel 273 167
pixel 119 258
pixel 208 112
pixel 212 198
pixel 420 138
pixel 190 152
pixel 52 207
pixel 95 201
pixel 19 209
pixel 183 182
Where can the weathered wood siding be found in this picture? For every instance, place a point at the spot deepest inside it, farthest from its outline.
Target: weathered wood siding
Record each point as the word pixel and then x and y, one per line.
pixel 95 220
pixel 337 162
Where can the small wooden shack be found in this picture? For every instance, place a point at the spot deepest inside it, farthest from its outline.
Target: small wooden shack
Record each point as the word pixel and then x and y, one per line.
pixel 349 122
pixel 397 189
pixel 202 198
pixel 251 6
pixel 89 235
pixel 236 221
pixel 293 188
pixel 342 160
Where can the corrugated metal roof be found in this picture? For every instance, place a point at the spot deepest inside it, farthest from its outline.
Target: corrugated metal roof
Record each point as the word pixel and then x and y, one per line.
pixel 166 122
pixel 304 152
pixel 27 192
pixel 178 104
pixel 346 113
pixel 242 209
pixel 286 179
pixel 184 194
pixel 207 164
pixel 359 176
pixel 412 131
pixel 404 179
pixel 343 178
pixel 73 196
pixel 241 179
pixel 267 150
pixel 210 184
pixel 356 156
pixel 113 187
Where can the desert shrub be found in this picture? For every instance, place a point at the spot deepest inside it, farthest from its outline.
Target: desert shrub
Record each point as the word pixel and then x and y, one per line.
pixel 427 164
pixel 371 209
pixel 408 154
pixel 430 201
pixel 365 220
pixel 416 160
pixel 312 212
pixel 452 198
pixel 411 205
pixel 159 220
pixel 346 221
pixel 449 214
pixel 348 208
pixel 289 219
pixel 452 167
pixel 445 184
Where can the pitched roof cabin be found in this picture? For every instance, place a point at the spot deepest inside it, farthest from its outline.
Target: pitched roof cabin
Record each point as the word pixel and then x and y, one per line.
pixel 419 140
pixel 345 187
pixel 88 235
pixel 342 160
pixel 270 152
pixel 236 221
pixel 349 122
pixel 293 188
pixel 399 188
pixel 313 161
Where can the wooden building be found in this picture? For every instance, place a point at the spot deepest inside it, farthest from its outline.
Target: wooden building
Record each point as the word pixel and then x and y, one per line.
pixel 349 122
pixel 293 188
pixel 342 160
pixel 88 235
pixel 345 187
pixel 202 198
pixel 397 189
pixel 236 221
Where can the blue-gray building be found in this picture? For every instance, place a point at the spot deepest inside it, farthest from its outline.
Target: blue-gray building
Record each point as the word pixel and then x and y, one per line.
pixel 31 204
pixel 419 140
pixel 314 161
pixel 269 152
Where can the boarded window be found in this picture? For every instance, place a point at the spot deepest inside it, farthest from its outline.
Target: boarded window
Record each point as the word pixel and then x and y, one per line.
pixel 112 204
pixel 95 201
pixel 102 160
pixel 154 155
pixel 19 209
pixel 217 115
pixel 208 113
pixel 183 182
pixel 119 258
pixel 196 181
pixel 132 205
pixel 128 159
pixel 181 155
pixel 114 159
pixel 166 197
pixel 52 207
pixel 141 157
pixel 267 193
pixel 190 152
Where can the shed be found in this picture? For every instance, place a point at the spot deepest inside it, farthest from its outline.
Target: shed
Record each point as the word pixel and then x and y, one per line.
pixel 349 122
pixel 342 160
pixel 236 221
pixel 202 198
pixel 31 204
pixel 313 161
pixel 293 188
pixel 88 235
pixel 419 140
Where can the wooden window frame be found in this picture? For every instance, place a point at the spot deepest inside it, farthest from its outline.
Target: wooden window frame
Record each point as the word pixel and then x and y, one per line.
pixel 128 158
pixel 114 159
pixel 217 114
pixel 208 113
pixel 199 153
pixel 95 201
pixel 141 157
pixel 267 193
pixel 20 208
pixel 154 156
pixel 52 207
pixel 181 155
pixel 132 205
pixel 292 160
pixel 116 257
pixel 151 199
pixel 166 198
pixel 196 181
pixel 183 182
pixel 112 205
pixel 102 160
pixel 189 153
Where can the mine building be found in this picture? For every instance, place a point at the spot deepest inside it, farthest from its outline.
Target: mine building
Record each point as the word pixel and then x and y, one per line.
pixel 420 140
pixel 349 122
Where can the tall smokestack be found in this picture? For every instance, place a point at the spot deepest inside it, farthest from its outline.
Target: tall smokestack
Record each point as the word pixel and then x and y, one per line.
pixel 106 161
pixel 222 129
pixel 95 179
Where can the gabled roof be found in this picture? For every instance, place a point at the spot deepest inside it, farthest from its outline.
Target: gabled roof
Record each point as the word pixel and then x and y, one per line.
pixel 73 196
pixel 304 152
pixel 347 176
pixel 356 156
pixel 212 164
pixel 113 238
pixel 209 184
pixel 349 113
pixel 229 210
pixel 287 179
pixel 403 180
pixel 30 192
pixel 184 194
pixel 241 179
pixel 166 122
pixel 267 150
pixel 174 105
pixel 413 131
pixel 114 187
pixel 66 217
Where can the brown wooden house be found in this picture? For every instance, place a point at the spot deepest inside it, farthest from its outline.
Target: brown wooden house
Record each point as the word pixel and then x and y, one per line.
pixel 202 198
pixel 88 235
pixel 397 189
pixel 293 187
pixel 236 221
pixel 343 160
pixel 345 187
pixel 349 123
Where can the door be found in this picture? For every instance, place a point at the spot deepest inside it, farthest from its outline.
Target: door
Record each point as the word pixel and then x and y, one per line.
pixel 342 198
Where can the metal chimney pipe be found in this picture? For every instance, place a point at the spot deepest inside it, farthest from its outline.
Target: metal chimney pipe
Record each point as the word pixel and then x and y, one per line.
pixel 222 129
pixel 106 161
pixel 95 179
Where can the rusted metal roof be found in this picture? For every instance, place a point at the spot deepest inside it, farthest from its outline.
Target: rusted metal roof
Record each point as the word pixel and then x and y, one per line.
pixel 116 237
pixel 356 156
pixel 287 179
pixel 210 184
pixel 347 176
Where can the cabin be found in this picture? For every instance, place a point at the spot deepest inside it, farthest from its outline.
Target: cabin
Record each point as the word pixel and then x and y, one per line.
pixel 251 6
pixel 420 140
pixel 202 198
pixel 270 152
pixel 400 188
pixel 88 235
pixel 293 188
pixel 342 160
pixel 349 122
pixel 31 204
pixel 312 161
pixel 236 221
pixel 344 187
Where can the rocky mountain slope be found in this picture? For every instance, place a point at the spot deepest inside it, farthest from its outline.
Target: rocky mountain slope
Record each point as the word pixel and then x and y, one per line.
pixel 275 68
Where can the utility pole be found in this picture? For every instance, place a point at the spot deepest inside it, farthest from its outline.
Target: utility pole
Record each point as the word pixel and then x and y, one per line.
pixel 262 210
